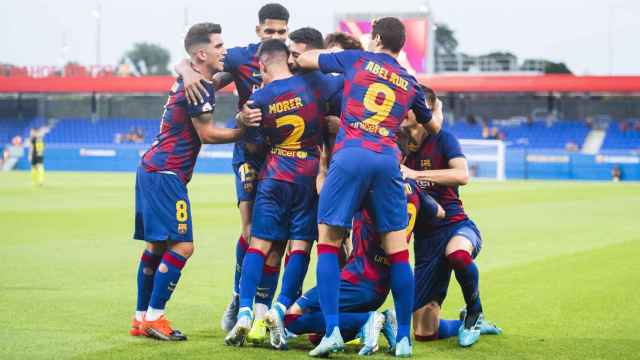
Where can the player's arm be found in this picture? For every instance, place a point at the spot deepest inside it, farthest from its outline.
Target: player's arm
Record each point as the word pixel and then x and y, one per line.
pixel 437 118
pixel 431 119
pixel 456 175
pixel 210 134
pixel 431 207
pixel 327 61
pixel 310 59
pixel 332 124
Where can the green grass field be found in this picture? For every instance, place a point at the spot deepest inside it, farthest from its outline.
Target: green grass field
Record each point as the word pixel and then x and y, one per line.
pixel 560 271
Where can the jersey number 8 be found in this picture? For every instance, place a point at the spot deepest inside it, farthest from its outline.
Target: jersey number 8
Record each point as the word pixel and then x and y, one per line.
pixel 181 211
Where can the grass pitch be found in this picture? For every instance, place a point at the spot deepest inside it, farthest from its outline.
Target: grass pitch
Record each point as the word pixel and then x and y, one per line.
pixel 560 271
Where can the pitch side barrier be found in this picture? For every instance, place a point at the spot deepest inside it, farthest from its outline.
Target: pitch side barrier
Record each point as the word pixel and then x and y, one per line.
pixel 519 163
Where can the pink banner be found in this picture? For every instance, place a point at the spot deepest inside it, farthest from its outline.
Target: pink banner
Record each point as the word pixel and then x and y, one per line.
pixel 414 55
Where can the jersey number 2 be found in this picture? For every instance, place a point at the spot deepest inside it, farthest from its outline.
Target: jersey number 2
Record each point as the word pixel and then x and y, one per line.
pixel 292 142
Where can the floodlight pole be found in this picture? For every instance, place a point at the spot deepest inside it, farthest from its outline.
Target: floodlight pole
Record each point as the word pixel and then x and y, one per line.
pixel 97 14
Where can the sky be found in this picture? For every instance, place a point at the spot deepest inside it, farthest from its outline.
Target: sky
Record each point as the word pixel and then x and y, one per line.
pixel 591 37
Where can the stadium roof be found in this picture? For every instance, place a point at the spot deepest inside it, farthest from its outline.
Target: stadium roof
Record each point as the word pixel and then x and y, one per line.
pixel 440 83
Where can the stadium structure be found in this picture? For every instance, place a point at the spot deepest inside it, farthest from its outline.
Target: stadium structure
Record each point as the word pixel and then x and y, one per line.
pixel 513 124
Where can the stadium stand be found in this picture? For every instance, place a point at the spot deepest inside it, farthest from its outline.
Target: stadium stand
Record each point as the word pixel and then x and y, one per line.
pixel 622 137
pixel 537 134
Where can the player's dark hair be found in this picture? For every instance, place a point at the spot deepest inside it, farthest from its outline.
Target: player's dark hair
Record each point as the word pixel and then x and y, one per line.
pixel 391 31
pixel 429 94
pixel 273 11
pixel 344 40
pixel 402 140
pixel 273 47
pixel 308 36
pixel 199 34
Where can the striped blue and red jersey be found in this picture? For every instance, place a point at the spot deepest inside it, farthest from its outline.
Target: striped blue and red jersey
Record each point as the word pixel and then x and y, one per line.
pixel 434 154
pixel 293 111
pixel 241 62
pixel 368 264
pixel 177 144
pixel 377 95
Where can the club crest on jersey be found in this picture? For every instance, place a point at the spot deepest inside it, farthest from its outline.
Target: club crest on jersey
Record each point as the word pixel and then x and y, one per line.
pixel 182 229
pixel 425 164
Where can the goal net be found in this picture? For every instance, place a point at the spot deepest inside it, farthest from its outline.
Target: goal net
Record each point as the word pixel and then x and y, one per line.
pixel 486 158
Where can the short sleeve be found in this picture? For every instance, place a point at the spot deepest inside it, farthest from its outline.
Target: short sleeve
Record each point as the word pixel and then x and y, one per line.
pixel 208 105
pixel 419 106
pixel 338 62
pixel 450 146
pixel 232 60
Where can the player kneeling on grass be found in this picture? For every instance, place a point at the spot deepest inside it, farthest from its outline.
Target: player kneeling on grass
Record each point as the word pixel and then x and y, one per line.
pixel 441 245
pixel 365 281
pixel 163 213
pixel 286 201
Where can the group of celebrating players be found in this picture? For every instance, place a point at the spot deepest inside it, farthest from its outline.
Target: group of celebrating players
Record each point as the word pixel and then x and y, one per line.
pixel 328 137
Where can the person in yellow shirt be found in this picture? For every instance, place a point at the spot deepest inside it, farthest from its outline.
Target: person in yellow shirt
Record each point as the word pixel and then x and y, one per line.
pixel 36 154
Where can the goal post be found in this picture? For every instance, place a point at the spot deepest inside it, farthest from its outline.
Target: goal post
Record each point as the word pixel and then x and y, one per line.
pixel 486 158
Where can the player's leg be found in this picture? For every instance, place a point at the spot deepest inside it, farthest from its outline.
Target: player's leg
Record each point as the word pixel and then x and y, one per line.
pixel 265 293
pixel 294 274
pixel 41 173
pixel 343 192
pixel 149 262
pixel 34 174
pixel 303 231
pixel 460 251
pixel 389 207
pixel 246 183
pixel 428 326
pixel 252 270
pixel 269 214
pixel 166 215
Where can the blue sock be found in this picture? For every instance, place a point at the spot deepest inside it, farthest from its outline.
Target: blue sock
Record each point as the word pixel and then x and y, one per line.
pixel 241 249
pixel 295 271
pixel 252 268
pixel 268 284
pixel 146 270
pixel 468 277
pixel 448 328
pixel 164 283
pixel 328 280
pixel 313 322
pixel 402 288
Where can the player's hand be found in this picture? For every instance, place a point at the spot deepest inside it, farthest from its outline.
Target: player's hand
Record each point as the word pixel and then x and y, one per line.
pixel 437 106
pixel 320 181
pixel 194 88
pixel 440 214
pixel 248 116
pixel 408 173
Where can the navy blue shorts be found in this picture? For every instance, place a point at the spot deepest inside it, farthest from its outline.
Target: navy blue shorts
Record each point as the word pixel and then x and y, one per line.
pixel 246 180
pixel 432 271
pixel 163 211
pixel 285 211
pixel 353 298
pixel 360 177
